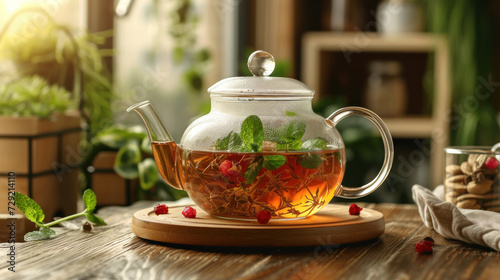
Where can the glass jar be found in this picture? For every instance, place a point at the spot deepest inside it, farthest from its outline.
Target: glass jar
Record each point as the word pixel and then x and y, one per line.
pixel 472 177
pixel 386 90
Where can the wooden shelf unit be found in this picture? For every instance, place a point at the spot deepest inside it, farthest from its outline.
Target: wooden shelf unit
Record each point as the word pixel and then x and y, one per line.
pixel 435 126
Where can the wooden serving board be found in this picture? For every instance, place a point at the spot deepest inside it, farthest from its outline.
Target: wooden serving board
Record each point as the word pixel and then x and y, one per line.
pixel 331 225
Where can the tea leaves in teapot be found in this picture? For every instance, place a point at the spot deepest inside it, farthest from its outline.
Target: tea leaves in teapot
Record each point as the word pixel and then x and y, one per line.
pixel 314 144
pixel 311 161
pixel 252 133
pixel 253 170
pixel 231 142
pixel 290 135
pixel 273 162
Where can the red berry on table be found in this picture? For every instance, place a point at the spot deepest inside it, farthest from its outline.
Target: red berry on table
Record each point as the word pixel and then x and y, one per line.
pixel 354 209
pixel 161 209
pixel 491 163
pixel 428 238
pixel 424 247
pixel 263 217
pixel 189 212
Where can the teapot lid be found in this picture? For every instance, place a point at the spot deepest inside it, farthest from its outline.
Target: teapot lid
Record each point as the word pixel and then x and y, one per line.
pixel 261 65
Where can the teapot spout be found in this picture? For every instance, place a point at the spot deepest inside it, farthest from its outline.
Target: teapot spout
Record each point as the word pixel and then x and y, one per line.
pixel 165 150
pixel 156 130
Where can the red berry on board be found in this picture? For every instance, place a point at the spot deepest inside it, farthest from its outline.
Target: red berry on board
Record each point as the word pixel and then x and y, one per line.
pixel 424 247
pixel 189 212
pixel 161 209
pixel 354 209
pixel 491 163
pixel 263 217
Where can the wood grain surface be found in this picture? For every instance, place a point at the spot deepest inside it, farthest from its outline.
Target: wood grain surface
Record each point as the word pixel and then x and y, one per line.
pixel 114 252
pixel 331 225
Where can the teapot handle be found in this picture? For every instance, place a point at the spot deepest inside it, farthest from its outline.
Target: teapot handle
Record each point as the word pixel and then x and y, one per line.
pixel 335 118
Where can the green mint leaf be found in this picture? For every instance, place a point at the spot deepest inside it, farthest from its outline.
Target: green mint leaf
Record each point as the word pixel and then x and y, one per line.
pixel 295 130
pixel 273 162
pixel 42 234
pixel 311 161
pixel 289 136
pixel 222 143
pixel 240 149
pixel 252 133
pixel 94 219
pixel 30 208
pixel 253 170
pixel 290 114
pixel 231 141
pixel 234 140
pixel 90 200
pixel 290 146
pixel 148 173
pixel 314 144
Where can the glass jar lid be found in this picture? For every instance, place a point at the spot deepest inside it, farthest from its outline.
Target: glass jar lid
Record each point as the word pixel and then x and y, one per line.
pixel 261 65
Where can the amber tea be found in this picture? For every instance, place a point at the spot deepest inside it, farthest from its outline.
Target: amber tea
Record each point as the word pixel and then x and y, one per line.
pixel 290 184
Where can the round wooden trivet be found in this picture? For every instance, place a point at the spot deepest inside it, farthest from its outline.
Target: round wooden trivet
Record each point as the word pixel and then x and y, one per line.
pixel 331 225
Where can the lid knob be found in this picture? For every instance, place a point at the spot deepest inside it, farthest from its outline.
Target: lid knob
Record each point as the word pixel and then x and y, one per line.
pixel 261 63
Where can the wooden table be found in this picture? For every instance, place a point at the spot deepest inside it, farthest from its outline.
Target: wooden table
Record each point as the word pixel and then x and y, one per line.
pixel 114 252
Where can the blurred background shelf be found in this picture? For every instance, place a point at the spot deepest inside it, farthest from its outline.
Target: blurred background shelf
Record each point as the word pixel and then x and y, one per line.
pixel 324 54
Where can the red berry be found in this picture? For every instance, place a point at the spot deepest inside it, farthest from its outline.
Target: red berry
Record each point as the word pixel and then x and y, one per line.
pixel 491 163
pixel 228 168
pixel 263 217
pixel 161 209
pixel 189 212
pixel 428 238
pixel 354 209
pixel 424 247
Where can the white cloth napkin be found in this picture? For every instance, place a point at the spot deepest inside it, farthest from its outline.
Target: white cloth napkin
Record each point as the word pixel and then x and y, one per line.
pixel 471 226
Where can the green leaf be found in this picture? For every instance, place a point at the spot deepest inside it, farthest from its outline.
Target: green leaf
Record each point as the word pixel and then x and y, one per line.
pixel 315 144
pixel 289 136
pixel 252 133
pixel 90 200
pixel 30 208
pixel 294 131
pixel 116 138
pixel 146 145
pixel 148 173
pixel 94 219
pixel 273 162
pixel 41 234
pixel 240 149
pixel 290 146
pixel 127 159
pixel 253 170
pixel 172 194
pixel 290 114
pixel 311 161
pixel 231 141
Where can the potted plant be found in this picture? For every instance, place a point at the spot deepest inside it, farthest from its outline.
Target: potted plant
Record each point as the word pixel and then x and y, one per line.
pixel 63 57
pixel 53 65
pixel 121 169
pixel 39 134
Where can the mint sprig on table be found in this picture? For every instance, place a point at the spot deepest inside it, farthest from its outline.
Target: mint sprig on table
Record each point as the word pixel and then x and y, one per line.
pixel 34 213
pixel 287 138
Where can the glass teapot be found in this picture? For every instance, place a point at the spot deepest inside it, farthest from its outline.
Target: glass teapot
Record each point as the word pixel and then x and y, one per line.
pixel 261 148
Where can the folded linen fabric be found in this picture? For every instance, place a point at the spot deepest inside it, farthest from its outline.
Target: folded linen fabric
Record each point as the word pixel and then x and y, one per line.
pixel 472 226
